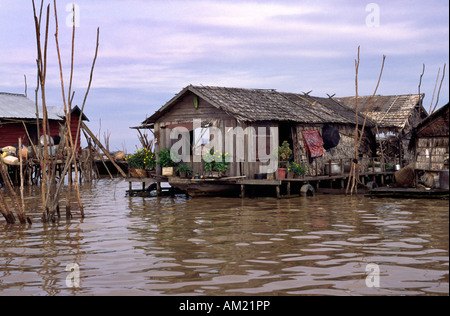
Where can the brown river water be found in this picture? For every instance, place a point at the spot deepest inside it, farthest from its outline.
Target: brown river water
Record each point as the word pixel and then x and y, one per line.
pixel 319 245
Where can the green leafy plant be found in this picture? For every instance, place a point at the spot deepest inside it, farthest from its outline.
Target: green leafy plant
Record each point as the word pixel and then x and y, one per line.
pixel 298 169
pixel 166 159
pixel 184 168
pixel 284 153
pixel 215 161
pixel 142 159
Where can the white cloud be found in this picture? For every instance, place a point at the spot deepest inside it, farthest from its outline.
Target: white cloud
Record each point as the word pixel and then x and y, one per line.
pixel 162 46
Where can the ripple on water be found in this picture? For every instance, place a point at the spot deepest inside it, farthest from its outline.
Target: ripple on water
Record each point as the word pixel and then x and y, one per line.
pixel 176 246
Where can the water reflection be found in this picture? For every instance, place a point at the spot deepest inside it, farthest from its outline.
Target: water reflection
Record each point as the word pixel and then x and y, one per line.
pixel 170 246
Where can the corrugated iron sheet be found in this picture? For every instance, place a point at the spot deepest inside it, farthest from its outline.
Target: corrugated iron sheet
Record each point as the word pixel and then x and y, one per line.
pixel 18 106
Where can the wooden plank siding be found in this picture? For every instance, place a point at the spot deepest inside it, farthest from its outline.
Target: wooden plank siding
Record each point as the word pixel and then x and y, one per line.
pixel 11 132
pixel 185 112
pixel 182 110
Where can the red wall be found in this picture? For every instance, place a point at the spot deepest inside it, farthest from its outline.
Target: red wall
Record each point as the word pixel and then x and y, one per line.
pixel 10 133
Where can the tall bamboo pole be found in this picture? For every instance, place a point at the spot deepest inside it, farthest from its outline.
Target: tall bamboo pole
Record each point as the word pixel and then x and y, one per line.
pixel 354 172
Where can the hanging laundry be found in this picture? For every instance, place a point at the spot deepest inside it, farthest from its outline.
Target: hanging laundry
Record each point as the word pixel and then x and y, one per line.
pixel 331 137
pixel 313 143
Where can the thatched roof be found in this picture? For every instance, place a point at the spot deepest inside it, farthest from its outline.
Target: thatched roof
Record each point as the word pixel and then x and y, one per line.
pixel 389 112
pixel 253 105
pixel 435 125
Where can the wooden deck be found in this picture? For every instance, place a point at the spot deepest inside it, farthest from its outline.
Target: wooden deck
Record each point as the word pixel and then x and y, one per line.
pixel 412 193
pixel 240 186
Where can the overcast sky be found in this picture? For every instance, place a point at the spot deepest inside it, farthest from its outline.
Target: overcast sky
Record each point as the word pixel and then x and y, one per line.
pixel 150 50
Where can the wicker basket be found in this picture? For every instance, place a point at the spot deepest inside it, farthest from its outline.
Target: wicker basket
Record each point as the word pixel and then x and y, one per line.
pixel 138 173
pixel 405 177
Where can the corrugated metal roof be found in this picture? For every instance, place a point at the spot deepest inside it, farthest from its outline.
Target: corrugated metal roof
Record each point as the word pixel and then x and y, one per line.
pixel 18 106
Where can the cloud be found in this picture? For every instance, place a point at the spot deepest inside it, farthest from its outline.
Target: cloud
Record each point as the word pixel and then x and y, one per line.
pixel 159 47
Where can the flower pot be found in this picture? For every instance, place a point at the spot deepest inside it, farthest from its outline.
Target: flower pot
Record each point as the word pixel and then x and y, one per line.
pixel 282 173
pixel 138 173
pixel 183 174
pixel 299 176
pixel 167 171
pixel 335 169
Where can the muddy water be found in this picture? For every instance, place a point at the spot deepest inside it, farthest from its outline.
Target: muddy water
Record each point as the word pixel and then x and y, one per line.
pixel 318 245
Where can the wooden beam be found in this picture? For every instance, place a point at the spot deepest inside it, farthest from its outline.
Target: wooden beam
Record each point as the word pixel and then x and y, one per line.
pixel 88 131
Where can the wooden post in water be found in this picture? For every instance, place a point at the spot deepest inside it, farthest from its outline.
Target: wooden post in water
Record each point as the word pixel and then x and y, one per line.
pixel 99 144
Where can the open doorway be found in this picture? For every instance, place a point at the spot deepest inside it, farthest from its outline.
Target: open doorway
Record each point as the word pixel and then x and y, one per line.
pixel 285 133
pixel 32 136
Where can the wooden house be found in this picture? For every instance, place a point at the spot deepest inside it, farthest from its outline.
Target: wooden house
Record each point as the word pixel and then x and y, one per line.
pixel 291 115
pixel 430 142
pixel 18 116
pixel 394 117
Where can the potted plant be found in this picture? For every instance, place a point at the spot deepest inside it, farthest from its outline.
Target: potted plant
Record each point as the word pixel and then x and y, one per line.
pixel 389 167
pixel 166 162
pixel 298 169
pixel 215 163
pixel 374 167
pixel 141 162
pixel 284 154
pixel 184 170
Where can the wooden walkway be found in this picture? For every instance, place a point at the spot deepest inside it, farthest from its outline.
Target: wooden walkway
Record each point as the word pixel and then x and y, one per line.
pixel 412 193
pixel 281 187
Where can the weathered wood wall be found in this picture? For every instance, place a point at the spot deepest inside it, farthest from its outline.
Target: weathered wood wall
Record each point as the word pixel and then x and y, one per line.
pixel 185 112
pixel 342 154
pixel 432 153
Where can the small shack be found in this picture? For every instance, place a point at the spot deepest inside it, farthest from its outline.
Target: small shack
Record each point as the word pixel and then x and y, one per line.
pixel 292 115
pixel 430 142
pixel 18 120
pixel 395 117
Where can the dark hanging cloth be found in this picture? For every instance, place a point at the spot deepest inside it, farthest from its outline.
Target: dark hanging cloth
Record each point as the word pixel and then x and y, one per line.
pixel 313 143
pixel 331 137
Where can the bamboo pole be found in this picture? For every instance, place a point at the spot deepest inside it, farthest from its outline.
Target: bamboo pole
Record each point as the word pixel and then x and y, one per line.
pixel 50 190
pixel 4 208
pixel 99 144
pixel 15 199
pixel 21 176
pixel 354 172
pixel 67 105
pixel 439 91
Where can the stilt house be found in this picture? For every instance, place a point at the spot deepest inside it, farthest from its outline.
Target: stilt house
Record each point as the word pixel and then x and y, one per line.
pixel 294 116
pixel 395 117
pixel 430 142
pixel 18 120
